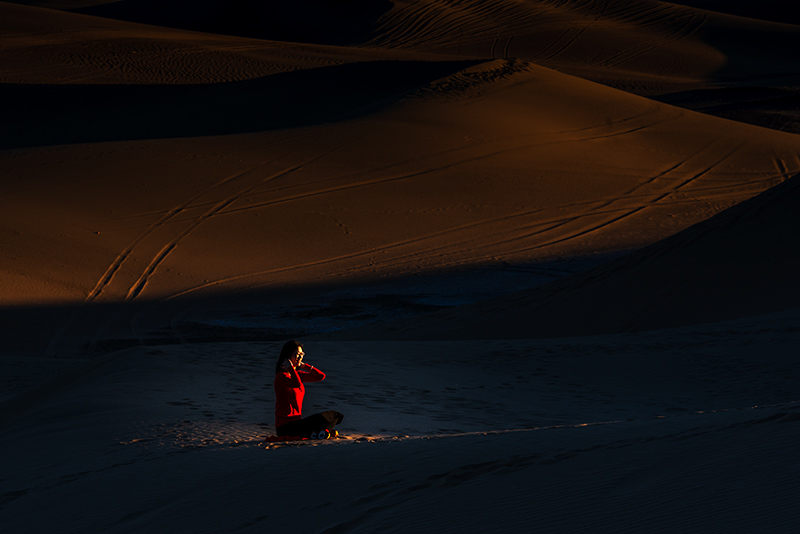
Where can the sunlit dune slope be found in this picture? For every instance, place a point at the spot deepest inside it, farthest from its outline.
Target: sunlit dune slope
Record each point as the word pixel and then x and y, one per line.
pixel 503 161
pixel 740 263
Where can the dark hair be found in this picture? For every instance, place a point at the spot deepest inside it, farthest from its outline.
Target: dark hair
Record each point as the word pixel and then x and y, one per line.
pixel 289 349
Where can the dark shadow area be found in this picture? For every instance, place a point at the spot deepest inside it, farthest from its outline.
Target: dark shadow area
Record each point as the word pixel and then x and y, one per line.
pixel 759 55
pixel 769 10
pixel 37 115
pixel 80 331
pixel 337 22
pixel 777 108
pixel 759 83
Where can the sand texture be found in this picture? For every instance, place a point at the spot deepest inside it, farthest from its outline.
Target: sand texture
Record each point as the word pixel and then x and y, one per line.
pixel 545 250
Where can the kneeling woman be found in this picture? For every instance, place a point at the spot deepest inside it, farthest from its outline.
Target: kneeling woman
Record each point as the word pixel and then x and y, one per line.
pixel 290 375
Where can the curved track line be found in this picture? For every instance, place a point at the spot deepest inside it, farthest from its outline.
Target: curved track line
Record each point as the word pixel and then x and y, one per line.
pixel 710 167
pixel 153 265
pixel 544 55
pixel 564 33
pixel 505 50
pixel 122 257
pixel 355 255
pixel 598 14
pixel 554 224
pixel 633 211
pixel 551 224
pixel 441 251
pixel 602 209
pixel 137 287
pixel 220 208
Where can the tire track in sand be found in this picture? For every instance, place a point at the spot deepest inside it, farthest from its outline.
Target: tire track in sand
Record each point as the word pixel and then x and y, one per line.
pixel 138 286
pixel 628 212
pixel 623 126
pixel 169 216
pixel 634 201
pixel 556 47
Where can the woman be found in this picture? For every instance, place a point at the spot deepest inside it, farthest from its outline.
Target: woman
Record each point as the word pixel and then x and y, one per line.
pixel 290 375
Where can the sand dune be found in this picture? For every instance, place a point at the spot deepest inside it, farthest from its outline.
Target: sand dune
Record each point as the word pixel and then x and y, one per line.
pixel 739 263
pixel 305 21
pixel 502 161
pixel 599 198
pixel 693 57
pixel 49 47
pixel 648 41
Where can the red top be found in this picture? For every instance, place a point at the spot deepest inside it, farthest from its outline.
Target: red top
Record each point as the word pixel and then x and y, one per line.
pixel 289 392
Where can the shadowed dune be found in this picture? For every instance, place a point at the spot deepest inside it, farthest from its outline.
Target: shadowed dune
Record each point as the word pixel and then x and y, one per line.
pixel 47 47
pixel 645 47
pixel 772 10
pixel 649 41
pixel 629 40
pixel 92 113
pixel 650 48
pixel 339 22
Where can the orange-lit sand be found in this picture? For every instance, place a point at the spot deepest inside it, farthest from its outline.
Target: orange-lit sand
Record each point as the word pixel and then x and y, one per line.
pixel 184 187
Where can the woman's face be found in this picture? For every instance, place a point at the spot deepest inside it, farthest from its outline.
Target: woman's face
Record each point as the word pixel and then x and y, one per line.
pixel 297 359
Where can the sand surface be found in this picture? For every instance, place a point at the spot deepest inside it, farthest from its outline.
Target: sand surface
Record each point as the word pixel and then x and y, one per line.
pixel 545 251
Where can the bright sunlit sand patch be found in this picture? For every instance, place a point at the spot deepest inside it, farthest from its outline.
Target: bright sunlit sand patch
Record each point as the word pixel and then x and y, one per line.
pixel 196 434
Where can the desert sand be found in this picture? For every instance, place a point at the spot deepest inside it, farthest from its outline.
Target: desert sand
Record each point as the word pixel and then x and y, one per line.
pixel 544 250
